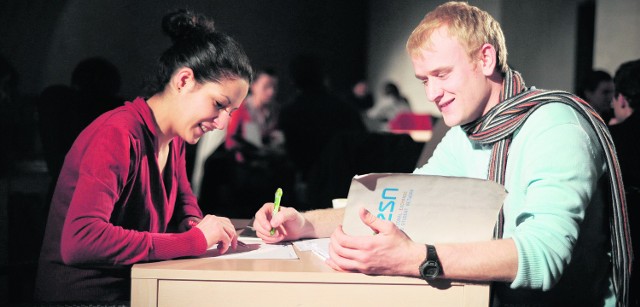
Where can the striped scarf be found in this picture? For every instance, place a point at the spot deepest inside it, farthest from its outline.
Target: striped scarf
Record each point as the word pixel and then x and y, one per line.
pixel 497 128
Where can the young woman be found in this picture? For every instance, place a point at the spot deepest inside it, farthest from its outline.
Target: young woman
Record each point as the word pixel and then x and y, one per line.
pixel 123 196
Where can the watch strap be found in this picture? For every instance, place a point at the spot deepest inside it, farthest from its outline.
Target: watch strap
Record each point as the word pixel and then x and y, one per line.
pixel 430 267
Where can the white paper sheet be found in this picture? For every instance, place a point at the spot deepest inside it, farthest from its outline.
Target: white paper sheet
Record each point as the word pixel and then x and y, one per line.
pixel 256 249
pixel 320 247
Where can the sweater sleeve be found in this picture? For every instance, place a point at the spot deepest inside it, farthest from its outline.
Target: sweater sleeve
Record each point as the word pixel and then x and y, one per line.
pixel 186 201
pixel 87 235
pixel 553 178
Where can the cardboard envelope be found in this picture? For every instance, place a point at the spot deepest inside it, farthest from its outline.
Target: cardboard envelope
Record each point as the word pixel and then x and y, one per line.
pixel 429 209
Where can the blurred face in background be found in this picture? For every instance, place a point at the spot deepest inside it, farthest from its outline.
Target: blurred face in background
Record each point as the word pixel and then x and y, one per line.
pixel 263 89
pixel 360 89
pixel 621 108
pixel 600 98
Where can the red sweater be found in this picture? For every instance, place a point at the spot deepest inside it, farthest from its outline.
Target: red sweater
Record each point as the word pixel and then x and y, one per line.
pixel 112 208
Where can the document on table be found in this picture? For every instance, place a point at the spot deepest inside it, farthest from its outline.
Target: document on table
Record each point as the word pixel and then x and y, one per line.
pixel 254 248
pixel 320 247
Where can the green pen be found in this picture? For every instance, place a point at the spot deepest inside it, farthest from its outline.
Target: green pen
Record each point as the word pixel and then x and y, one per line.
pixel 276 206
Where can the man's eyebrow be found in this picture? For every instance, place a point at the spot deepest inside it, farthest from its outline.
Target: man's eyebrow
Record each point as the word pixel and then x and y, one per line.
pixel 428 73
pixel 440 70
pixel 434 71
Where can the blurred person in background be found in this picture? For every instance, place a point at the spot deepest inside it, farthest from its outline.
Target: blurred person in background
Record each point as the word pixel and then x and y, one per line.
pixel 388 106
pixel 597 89
pixel 253 128
pixel 625 129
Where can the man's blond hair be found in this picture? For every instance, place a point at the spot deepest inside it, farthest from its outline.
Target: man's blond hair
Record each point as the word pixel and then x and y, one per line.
pixel 471 26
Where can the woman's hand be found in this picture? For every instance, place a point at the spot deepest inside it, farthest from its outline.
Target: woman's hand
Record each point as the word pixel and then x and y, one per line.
pixel 219 230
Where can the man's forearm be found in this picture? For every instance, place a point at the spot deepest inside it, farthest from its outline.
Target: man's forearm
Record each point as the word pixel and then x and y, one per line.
pixel 322 222
pixel 483 261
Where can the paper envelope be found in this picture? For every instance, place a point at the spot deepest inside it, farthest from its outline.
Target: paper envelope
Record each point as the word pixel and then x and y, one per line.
pixel 429 209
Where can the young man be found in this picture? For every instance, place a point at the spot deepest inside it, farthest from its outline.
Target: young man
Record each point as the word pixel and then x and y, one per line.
pixel 546 147
pixel 597 89
pixel 625 135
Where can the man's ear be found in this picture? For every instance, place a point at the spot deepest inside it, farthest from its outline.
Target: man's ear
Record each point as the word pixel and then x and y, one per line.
pixel 619 101
pixel 623 101
pixel 183 80
pixel 488 59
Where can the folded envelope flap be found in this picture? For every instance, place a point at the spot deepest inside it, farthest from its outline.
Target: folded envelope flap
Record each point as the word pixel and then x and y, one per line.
pixel 429 209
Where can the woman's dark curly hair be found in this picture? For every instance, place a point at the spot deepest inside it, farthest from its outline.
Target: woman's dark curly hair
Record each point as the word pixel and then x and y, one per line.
pixel 212 55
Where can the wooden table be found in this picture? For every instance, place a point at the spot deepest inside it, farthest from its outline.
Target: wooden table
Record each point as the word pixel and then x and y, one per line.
pixel 307 281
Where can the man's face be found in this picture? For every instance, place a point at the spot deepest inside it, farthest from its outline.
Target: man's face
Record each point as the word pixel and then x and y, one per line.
pixel 600 98
pixel 619 106
pixel 263 89
pixel 453 81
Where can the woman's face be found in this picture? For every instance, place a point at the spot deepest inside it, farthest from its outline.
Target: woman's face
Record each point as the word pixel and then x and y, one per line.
pixel 208 106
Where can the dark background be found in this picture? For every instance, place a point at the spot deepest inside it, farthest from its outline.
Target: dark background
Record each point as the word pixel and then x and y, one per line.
pixel 44 39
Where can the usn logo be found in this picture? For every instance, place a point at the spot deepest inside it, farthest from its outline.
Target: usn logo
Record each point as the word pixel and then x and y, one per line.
pixel 387 204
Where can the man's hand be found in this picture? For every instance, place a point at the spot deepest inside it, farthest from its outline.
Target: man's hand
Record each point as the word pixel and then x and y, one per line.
pixel 389 252
pixel 288 223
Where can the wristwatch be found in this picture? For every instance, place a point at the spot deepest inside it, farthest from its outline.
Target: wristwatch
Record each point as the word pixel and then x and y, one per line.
pixel 430 267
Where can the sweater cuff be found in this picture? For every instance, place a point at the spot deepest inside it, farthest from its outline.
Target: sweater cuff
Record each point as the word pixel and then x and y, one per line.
pixel 525 277
pixel 174 245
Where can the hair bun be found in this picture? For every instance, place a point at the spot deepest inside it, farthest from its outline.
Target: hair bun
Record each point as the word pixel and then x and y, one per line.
pixel 183 24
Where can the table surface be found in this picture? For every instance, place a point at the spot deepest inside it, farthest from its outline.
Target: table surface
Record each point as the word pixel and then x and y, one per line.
pixel 158 282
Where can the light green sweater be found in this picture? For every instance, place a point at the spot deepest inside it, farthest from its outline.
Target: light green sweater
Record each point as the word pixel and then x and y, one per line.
pixel 553 169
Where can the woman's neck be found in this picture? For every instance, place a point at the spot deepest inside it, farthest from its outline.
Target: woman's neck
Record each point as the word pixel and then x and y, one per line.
pixel 160 111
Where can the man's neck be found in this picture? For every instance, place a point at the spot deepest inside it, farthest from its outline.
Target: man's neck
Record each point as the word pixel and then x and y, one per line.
pixel 495 82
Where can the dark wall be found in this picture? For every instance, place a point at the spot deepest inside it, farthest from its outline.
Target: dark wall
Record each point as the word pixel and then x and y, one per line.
pixel 44 39
pixel 26 29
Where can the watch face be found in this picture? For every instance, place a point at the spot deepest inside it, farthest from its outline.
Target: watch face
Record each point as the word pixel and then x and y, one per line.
pixel 431 269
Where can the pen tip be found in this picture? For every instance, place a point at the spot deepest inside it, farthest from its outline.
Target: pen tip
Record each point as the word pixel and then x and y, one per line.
pixel 279 192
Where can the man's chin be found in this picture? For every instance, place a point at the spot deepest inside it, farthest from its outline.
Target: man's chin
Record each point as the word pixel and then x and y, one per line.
pixel 450 122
